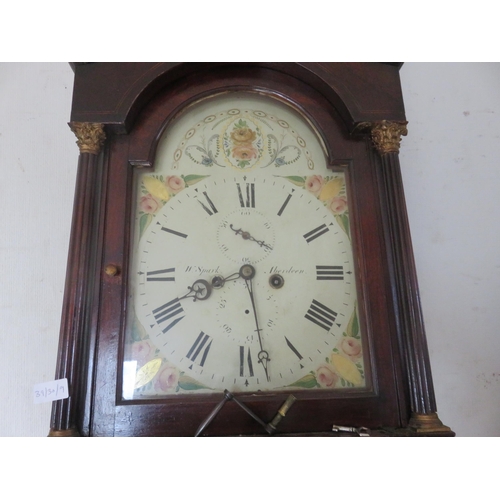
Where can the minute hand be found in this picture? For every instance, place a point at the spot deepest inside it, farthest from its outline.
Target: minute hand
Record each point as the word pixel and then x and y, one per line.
pixel 248 272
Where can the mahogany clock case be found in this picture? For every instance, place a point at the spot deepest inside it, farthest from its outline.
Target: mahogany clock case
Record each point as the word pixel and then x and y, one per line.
pixel 134 104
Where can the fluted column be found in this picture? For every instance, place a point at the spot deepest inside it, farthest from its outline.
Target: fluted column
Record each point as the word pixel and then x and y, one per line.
pixel 76 313
pixel 386 138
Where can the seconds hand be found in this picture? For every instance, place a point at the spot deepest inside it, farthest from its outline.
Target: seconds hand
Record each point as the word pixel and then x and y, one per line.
pixel 247 272
pixel 247 236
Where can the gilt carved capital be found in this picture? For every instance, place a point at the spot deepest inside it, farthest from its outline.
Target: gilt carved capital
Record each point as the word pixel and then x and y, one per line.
pixel 386 135
pixel 90 136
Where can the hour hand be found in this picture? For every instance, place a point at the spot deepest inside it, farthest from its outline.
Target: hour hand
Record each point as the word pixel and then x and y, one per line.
pixel 220 281
pixel 202 289
pixel 199 290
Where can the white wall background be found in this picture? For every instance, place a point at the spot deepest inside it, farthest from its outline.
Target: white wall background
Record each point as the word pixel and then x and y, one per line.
pixel 450 163
pixel 451 171
pixel 37 164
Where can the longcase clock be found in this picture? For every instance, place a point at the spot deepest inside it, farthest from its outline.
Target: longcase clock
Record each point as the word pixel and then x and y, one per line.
pixel 240 259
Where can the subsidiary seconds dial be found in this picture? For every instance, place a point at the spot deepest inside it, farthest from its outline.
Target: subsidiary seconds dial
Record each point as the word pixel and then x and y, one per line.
pixel 234 235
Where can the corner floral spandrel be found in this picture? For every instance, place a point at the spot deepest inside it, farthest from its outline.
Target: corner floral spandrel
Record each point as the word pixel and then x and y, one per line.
pixel 155 375
pixel 331 191
pixel 344 367
pixel 156 191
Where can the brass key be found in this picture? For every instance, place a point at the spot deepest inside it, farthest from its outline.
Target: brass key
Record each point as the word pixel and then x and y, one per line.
pixel 360 431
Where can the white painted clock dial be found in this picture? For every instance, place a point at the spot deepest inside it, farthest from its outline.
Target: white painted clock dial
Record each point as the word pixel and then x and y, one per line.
pixel 220 199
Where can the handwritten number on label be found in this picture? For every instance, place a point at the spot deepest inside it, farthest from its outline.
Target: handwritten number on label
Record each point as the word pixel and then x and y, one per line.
pixel 50 391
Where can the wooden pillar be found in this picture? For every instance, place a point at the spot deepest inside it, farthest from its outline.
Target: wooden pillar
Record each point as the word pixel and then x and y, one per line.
pixel 76 314
pixel 386 138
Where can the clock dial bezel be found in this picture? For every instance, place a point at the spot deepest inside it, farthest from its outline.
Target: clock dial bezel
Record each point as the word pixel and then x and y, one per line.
pixel 166 326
